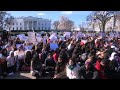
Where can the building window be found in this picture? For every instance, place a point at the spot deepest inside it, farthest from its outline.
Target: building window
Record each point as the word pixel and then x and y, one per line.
pixel 13 28
pixel 20 24
pixel 13 23
pixel 20 28
pixel 16 23
pixel 17 28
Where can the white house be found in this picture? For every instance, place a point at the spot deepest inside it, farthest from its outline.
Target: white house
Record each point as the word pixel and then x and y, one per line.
pixel 30 23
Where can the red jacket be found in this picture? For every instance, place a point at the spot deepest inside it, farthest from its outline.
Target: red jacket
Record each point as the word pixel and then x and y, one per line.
pixel 100 70
pixel 55 57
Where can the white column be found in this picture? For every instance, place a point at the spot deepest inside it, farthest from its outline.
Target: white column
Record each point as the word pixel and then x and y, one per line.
pixel 27 25
pixel 32 25
pixel 38 25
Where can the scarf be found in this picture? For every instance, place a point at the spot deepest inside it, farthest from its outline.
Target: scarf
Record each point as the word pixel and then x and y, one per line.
pixel 71 67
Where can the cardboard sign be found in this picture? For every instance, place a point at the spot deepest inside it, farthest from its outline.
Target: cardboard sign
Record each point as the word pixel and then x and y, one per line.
pixel 62 38
pixel 67 34
pixel 13 37
pixel 18 45
pixel 32 38
pixel 22 37
pixel 28 47
pixel 39 39
pixel 53 37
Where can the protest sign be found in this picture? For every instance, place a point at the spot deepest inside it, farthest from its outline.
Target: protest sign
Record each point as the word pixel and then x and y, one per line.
pixel 29 47
pixel 39 39
pixel 32 38
pixel 18 45
pixel 67 34
pixel 53 46
pixel 62 38
pixel 22 37
pixel 53 37
pixel 13 37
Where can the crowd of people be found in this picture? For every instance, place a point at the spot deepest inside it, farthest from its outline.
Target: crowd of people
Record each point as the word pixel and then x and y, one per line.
pixel 97 58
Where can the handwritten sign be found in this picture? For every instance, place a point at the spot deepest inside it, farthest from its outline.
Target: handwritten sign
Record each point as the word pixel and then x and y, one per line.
pixel 18 45
pixel 32 38
pixel 67 34
pixel 53 37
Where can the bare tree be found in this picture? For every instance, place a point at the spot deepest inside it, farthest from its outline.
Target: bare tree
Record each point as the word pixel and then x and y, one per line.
pixel 5 19
pixel 82 29
pixel 55 24
pixel 102 16
pixel 116 15
pixel 66 24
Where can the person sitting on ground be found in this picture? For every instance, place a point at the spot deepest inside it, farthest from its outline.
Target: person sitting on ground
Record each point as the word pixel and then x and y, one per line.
pixel 20 55
pixel 11 63
pixel 60 69
pixel 102 69
pixel 3 62
pixel 27 61
pixel 88 71
pixel 49 64
pixel 36 66
pixel 72 69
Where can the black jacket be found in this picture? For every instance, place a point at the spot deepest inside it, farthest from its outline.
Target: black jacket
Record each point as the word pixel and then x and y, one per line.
pixel 50 63
pixel 60 67
pixel 91 74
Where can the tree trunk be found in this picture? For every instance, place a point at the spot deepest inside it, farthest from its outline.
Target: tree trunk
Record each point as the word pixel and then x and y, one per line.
pixel 114 22
pixel 103 26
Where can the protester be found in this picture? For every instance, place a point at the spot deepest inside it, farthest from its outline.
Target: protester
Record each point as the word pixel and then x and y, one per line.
pixel 72 69
pixel 86 56
pixel 36 66
pixel 50 64
pixel 88 71
pixel 60 69
pixel 102 69
pixel 11 63
pixel 56 55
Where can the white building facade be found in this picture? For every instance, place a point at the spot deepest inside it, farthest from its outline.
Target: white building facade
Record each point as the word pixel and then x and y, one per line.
pixel 30 23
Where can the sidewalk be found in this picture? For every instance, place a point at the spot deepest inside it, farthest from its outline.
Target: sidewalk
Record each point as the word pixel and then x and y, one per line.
pixel 21 75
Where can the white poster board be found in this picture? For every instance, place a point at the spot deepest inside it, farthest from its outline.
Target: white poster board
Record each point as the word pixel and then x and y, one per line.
pixel 32 38
pixel 18 45
pixel 53 37
pixel 29 47
pixel 67 34
pixel 62 38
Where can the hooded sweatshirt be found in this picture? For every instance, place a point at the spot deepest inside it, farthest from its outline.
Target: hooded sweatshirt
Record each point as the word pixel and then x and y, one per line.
pixel 10 60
